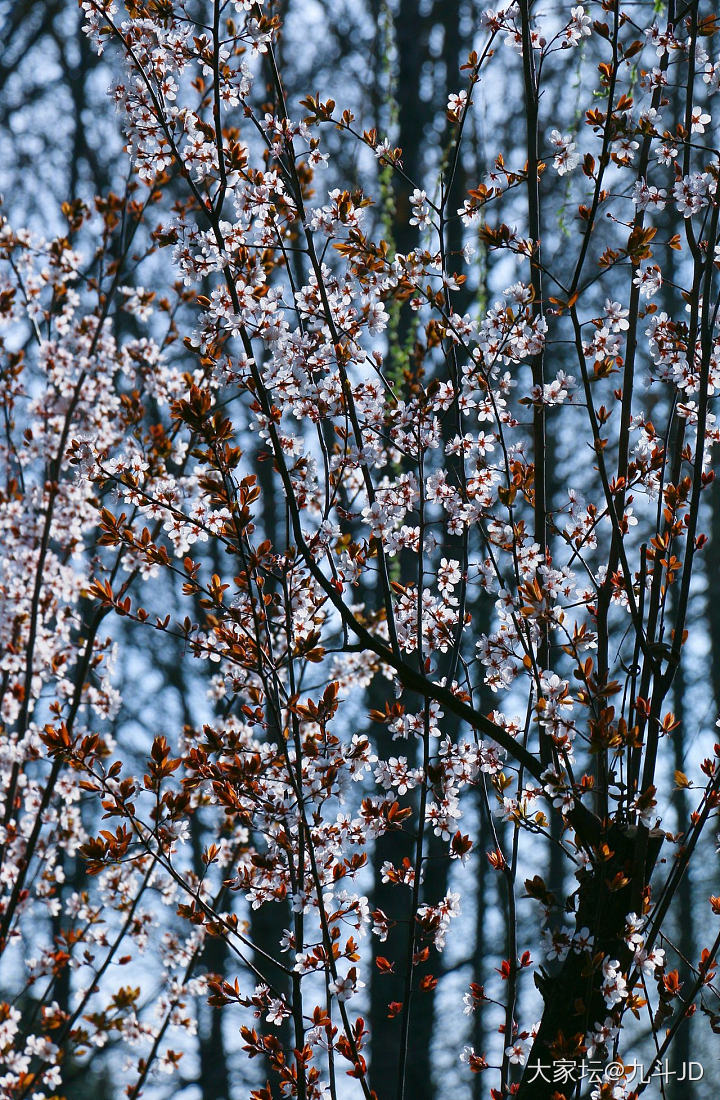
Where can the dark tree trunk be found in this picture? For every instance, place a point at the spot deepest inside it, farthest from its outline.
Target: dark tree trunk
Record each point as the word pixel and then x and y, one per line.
pixel 572 997
pixel 421 1078
pixel 478 1032
pixel 214 1077
pixel 386 988
pixel 686 938
pixel 268 923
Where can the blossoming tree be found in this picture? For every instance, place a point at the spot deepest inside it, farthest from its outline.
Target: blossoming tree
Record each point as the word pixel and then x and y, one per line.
pixel 408 447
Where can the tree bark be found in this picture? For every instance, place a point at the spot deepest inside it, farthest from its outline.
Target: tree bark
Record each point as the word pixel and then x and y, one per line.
pixel 572 996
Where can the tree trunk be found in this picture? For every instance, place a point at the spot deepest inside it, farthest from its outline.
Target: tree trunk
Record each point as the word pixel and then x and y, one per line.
pixel 686 940
pixel 572 996
pixel 214 1077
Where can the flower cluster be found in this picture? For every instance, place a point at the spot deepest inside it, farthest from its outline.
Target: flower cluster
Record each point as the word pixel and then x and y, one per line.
pixel 363 491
